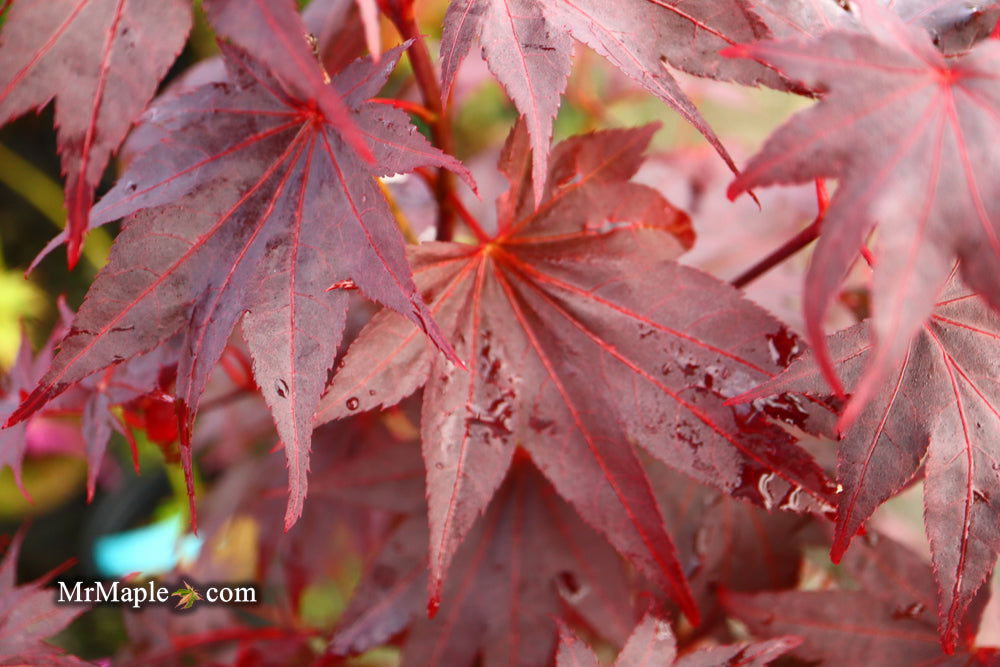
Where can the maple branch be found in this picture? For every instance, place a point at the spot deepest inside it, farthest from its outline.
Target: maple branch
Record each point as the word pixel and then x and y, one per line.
pixel 791 246
pixel 427 80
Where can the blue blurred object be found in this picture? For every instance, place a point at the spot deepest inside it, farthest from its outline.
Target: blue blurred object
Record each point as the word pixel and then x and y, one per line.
pixel 152 549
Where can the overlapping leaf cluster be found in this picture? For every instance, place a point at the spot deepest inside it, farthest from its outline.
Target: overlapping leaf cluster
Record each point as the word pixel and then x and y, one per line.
pixel 564 356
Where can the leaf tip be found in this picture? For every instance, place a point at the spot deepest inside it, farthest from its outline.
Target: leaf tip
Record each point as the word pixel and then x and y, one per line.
pixel 30 405
pixel 734 190
pixel 949 638
pixel 292 513
pixel 74 248
pixel 690 609
pixel 434 603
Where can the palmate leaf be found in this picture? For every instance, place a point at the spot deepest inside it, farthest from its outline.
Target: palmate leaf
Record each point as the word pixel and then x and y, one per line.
pixel 28 617
pixel 251 203
pixel 528 46
pixel 583 338
pixel 91 400
pixel 101 60
pixel 906 132
pixel 885 618
pixel 939 408
pixel 528 562
pixel 954 25
pixel 728 543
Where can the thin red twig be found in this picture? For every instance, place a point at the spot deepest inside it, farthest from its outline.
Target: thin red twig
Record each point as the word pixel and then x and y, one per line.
pixel 792 245
pixel 423 71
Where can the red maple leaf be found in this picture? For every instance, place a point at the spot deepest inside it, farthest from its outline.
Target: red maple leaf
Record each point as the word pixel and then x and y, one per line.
pixel 528 47
pixel 905 131
pixel 28 616
pixel 270 210
pixel 954 26
pixel 101 60
pixel 886 618
pixel 91 400
pixel 939 409
pixel 583 338
pixel 727 543
pixel 528 561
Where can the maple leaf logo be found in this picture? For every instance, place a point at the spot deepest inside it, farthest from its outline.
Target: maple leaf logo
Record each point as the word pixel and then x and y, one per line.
pixel 188 596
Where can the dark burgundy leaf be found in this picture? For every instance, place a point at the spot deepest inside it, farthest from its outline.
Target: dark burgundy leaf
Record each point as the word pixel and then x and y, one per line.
pixel 572 360
pixel 954 25
pixel 92 400
pixel 889 621
pixel 527 45
pixel 939 408
pixel 527 562
pixel 391 594
pixel 728 543
pixel 101 60
pixel 362 473
pixel 28 617
pixel 334 25
pixel 905 132
pixel 269 211
pixel 274 33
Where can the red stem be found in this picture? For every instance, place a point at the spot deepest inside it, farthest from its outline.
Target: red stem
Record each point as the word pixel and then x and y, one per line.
pixel 427 80
pixel 792 245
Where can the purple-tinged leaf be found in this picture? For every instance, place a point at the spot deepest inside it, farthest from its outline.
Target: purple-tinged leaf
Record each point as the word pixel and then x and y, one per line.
pixel 101 60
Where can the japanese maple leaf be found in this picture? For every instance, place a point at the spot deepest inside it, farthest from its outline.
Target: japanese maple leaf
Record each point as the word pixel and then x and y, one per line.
pixel 908 135
pixel 251 204
pixel 91 400
pixel 527 44
pixel 583 338
pixel 140 379
pixel 886 619
pixel 728 543
pixel 653 644
pixel 954 25
pixel 527 562
pixel 28 616
pixel 101 60
pixel 938 408
pixel 137 380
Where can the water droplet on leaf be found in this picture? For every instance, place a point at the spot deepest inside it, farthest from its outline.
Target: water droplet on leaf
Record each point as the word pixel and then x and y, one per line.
pixel 908 611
